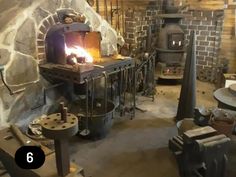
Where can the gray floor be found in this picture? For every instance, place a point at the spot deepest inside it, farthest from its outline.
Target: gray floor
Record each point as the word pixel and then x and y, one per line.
pixel 138 148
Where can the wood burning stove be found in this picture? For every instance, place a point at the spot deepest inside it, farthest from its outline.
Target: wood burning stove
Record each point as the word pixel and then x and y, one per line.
pixel 170 49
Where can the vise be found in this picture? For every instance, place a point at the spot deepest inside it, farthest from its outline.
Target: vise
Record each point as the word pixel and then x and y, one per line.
pixel 201 153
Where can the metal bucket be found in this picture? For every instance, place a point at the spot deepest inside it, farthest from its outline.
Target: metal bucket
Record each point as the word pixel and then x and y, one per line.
pixel 100 117
pixel 185 125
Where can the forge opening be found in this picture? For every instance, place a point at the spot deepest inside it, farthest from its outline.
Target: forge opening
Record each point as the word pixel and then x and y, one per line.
pixel 72 44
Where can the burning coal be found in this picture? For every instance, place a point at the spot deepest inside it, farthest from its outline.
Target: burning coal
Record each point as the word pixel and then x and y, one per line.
pixel 77 54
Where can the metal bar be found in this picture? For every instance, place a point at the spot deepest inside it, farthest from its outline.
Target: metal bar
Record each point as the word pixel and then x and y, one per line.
pixel 87 111
pixel 97 6
pixel 92 98
pixel 123 17
pixel 145 79
pixel 62 157
pixel 117 10
pixel 153 79
pixel 120 89
pixel 64 114
pixel 111 12
pixel 134 91
pixel 19 136
pixel 105 91
pixel 125 85
pixel 111 81
pixel 118 14
pixel 130 87
pixel 105 10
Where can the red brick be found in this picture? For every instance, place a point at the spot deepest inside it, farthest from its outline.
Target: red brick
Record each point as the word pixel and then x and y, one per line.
pixel 40 43
pixel 42 29
pixel 46 24
pixel 41 36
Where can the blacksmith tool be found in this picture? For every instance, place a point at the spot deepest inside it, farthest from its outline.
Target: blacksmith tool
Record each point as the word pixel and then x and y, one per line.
pixel 21 138
pixel 201 152
pixel 60 127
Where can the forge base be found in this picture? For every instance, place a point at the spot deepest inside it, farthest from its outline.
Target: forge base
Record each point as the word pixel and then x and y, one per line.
pixel 7 152
pixel 52 71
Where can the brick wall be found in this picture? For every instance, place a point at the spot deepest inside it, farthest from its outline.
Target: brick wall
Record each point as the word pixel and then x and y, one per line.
pixel 208 26
pixel 137 24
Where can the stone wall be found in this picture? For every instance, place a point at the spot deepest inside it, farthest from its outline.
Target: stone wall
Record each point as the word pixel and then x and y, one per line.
pixel 23 27
pixel 138 20
pixel 208 26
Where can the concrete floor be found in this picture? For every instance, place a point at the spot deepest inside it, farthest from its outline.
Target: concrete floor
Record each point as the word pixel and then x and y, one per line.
pixel 139 147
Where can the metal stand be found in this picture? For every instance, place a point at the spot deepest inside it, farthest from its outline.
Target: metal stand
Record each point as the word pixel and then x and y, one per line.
pixel 60 127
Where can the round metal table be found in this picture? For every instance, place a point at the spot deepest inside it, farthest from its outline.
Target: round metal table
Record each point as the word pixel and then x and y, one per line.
pixel 226 97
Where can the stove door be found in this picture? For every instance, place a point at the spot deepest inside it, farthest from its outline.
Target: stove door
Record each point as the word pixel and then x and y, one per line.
pixel 175 41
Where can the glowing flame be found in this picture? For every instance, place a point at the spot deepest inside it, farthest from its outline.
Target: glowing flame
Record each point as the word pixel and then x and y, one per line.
pixel 79 52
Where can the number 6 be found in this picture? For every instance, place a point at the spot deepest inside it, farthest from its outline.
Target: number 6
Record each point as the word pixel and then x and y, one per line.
pixel 29 157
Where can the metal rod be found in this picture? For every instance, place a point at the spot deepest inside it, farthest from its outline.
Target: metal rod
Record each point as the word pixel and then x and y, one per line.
pixel 120 90
pixel 87 111
pixel 145 78
pixel 19 136
pixel 105 91
pixel 125 85
pixel 118 18
pixel 123 17
pixel 111 12
pixel 130 87
pixel 105 10
pixel 97 6
pixel 92 99
pixel 134 91
pixel 64 114
pixel 111 81
pixel 153 79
